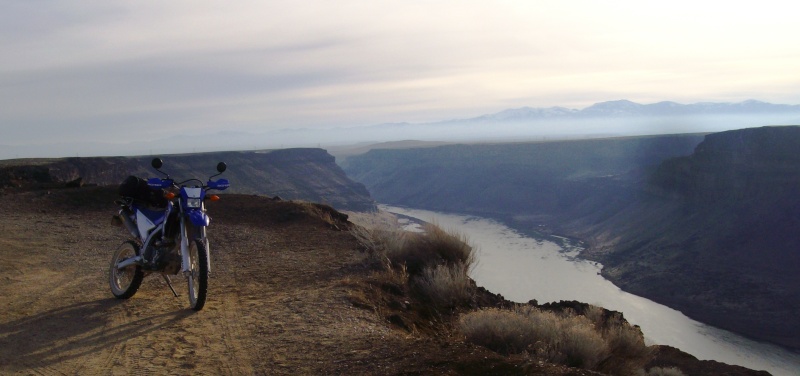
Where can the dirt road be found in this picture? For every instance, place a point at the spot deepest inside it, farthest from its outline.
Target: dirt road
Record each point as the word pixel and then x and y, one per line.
pixel 279 299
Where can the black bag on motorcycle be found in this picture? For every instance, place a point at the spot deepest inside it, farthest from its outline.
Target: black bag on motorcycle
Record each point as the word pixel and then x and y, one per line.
pixel 137 189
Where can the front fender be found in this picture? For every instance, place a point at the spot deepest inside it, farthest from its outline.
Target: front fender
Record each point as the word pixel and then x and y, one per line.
pixel 198 218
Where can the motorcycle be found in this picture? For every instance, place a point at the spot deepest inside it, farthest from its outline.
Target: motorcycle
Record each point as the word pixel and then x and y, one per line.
pixel 168 233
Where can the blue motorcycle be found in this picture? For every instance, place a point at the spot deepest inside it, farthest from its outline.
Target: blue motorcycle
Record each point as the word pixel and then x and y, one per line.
pixel 168 233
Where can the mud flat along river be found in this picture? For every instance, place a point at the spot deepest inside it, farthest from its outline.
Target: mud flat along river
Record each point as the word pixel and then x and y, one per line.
pixel 522 268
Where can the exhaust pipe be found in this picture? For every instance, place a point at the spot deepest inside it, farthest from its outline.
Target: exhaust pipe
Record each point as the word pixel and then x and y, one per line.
pixel 123 218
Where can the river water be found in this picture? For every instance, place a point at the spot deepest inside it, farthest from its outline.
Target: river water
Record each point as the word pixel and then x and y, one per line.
pixel 522 268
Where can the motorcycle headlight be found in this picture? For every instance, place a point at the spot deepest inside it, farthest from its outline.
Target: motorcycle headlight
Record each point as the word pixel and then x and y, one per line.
pixel 193 202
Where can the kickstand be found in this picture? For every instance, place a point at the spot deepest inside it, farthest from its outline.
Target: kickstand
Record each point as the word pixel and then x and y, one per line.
pixel 169 283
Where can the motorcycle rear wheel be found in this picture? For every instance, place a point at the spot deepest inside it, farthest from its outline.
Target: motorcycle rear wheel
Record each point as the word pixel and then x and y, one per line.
pixel 126 281
pixel 198 276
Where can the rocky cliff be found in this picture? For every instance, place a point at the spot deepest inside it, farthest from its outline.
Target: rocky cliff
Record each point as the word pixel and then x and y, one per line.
pixel 301 174
pixel 542 178
pixel 715 234
pixel 710 228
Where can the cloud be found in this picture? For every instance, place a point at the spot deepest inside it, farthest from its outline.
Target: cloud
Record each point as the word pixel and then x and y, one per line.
pixel 132 69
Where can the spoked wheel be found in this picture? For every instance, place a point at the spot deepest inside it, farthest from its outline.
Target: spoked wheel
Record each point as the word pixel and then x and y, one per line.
pixel 198 276
pixel 124 282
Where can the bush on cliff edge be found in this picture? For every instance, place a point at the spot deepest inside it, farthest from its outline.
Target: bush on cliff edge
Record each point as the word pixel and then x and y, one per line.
pixel 437 261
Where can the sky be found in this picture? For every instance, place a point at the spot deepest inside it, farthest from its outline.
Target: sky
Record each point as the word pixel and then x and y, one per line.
pixel 93 71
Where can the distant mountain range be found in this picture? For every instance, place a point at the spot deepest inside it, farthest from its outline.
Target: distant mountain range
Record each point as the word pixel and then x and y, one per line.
pixel 605 119
pixel 626 108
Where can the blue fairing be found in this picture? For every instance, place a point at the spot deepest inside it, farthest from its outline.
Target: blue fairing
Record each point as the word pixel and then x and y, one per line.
pixel 156 216
pixel 198 218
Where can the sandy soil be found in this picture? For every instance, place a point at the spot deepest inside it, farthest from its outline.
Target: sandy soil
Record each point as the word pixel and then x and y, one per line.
pixel 280 300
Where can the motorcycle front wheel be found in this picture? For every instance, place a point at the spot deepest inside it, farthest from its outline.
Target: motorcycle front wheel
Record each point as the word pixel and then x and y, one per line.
pixel 126 281
pixel 198 275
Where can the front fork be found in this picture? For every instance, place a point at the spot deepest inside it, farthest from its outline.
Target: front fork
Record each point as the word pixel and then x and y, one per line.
pixel 198 233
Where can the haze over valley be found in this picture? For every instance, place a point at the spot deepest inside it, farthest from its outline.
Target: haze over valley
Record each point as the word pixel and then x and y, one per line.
pixel 606 119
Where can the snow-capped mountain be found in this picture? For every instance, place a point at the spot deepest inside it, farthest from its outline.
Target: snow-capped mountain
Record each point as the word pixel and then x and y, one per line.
pixel 612 108
pixel 528 112
pixel 626 108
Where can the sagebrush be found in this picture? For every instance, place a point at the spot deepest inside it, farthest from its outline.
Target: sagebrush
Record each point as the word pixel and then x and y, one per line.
pixel 417 251
pixel 570 340
pixel 437 261
pixel 590 341
pixel 445 286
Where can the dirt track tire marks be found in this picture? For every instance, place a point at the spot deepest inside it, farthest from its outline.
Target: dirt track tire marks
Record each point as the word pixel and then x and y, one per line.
pixel 229 318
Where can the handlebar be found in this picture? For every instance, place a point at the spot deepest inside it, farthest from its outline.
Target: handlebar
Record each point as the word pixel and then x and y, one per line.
pixel 219 184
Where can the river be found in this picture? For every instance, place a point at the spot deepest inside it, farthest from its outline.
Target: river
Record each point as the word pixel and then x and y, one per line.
pixel 522 268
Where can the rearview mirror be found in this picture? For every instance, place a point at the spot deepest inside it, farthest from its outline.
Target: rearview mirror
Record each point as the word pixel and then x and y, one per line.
pixel 221 167
pixel 157 163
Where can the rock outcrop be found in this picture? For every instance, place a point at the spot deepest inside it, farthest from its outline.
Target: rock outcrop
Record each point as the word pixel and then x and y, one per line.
pixel 292 174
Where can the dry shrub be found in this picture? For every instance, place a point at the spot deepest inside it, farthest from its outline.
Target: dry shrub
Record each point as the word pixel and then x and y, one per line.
pixel 434 247
pixel 416 251
pixel 570 340
pixel 438 261
pixel 581 345
pixel 502 331
pixel 625 342
pixel 377 240
pixel 567 338
pixel 452 246
pixel 383 244
pixel 622 338
pixel 445 286
pixel 413 252
pixel 596 315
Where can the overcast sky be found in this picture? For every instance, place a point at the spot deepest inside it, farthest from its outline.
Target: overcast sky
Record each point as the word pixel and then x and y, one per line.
pixel 134 70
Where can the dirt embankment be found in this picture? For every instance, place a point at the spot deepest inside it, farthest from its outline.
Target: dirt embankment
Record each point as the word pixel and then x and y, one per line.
pixel 290 294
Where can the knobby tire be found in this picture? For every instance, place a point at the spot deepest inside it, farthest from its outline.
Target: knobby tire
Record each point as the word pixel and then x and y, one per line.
pixel 124 283
pixel 198 280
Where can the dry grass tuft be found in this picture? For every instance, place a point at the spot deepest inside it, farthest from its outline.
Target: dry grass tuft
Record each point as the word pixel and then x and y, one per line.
pixel 378 241
pixel 563 339
pixel 417 251
pixel 626 342
pixel 437 261
pixel 431 248
pixel 451 246
pixel 503 331
pixel 446 286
